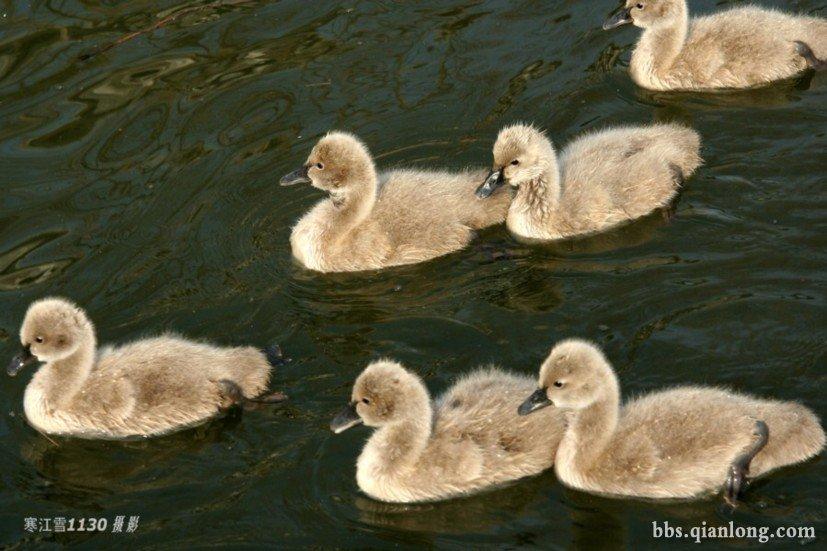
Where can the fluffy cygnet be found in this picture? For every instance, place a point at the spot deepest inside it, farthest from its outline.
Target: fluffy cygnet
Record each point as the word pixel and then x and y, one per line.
pixel 147 388
pixel 375 220
pixel 738 48
pixel 679 443
pixel 469 440
pixel 601 179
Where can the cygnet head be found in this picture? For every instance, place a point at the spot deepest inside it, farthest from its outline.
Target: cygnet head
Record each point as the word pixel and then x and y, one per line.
pixel 385 393
pixel 522 153
pixel 53 330
pixel 574 376
pixel 648 14
pixel 339 164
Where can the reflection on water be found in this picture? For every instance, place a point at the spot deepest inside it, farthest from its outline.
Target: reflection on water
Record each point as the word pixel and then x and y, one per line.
pixel 478 514
pixel 631 234
pixel 779 93
pixel 141 182
pixel 78 473
pixel 13 276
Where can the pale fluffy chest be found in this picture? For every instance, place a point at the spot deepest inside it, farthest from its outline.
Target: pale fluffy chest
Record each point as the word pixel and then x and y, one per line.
pixel 374 480
pixel 308 239
pixel 644 72
pixel 641 68
pixel 380 477
pixel 527 223
pixel 369 476
pixel 567 467
pixel 92 410
pixel 39 413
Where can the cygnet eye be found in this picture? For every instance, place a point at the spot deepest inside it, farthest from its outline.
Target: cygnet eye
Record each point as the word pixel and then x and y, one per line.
pixel 515 162
pixel 365 401
pixel 38 339
pixel 320 166
pixel 558 384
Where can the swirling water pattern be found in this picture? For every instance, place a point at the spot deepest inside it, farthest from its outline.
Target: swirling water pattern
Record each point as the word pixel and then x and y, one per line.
pixel 142 182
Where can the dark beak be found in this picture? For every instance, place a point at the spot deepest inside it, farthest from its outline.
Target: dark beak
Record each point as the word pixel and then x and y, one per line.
pixel 296 177
pixel 346 419
pixel 538 400
pixel 20 361
pixel 494 180
pixel 622 17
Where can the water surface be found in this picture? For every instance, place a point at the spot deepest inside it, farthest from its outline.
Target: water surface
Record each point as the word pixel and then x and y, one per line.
pixel 141 182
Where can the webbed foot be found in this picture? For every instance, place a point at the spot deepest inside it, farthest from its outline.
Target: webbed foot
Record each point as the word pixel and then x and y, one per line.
pixel 495 254
pixel 669 212
pixel 231 395
pixel 807 53
pixel 738 479
pixel 270 398
pixel 275 356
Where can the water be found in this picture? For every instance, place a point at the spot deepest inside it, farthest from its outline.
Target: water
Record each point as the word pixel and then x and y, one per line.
pixel 142 183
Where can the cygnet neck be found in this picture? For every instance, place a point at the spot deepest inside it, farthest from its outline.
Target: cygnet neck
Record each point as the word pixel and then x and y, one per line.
pixel 592 428
pixel 353 206
pixel 400 444
pixel 541 195
pixel 66 377
pixel 660 46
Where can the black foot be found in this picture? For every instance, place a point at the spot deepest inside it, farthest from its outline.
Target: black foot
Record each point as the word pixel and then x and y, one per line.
pixel 276 356
pixel 495 254
pixel 669 212
pixel 231 395
pixel 270 398
pixel 738 479
pixel 807 53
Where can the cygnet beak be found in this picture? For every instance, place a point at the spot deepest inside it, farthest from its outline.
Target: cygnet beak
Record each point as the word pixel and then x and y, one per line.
pixel 346 419
pixel 296 177
pixel 537 400
pixel 494 180
pixel 20 361
pixel 622 17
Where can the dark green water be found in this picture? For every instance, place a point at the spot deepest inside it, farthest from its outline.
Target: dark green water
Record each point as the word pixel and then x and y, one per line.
pixel 143 184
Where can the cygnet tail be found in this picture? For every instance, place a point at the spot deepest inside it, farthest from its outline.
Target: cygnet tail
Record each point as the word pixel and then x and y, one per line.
pixel 796 435
pixel 688 157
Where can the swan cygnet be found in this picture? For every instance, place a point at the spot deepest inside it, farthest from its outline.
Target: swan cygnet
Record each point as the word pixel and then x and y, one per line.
pixel 468 440
pixel 147 388
pixel 375 220
pixel 601 180
pixel 738 48
pixel 679 443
